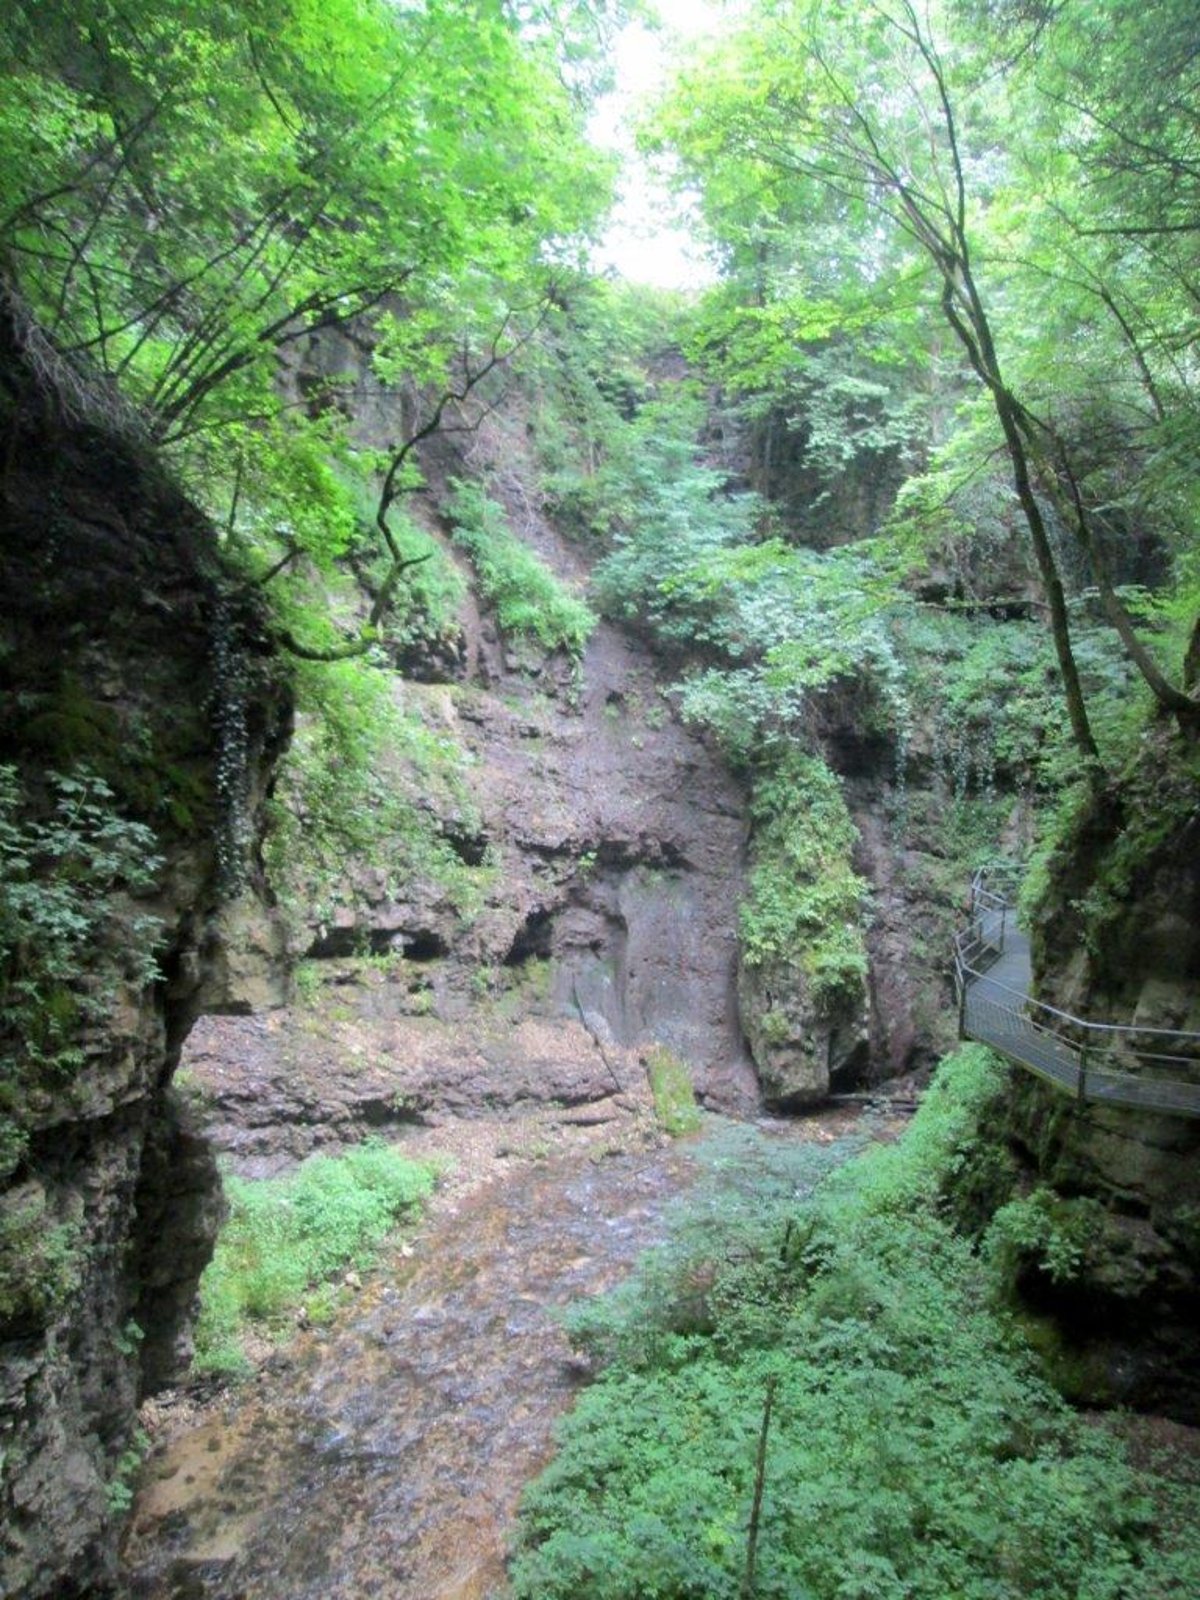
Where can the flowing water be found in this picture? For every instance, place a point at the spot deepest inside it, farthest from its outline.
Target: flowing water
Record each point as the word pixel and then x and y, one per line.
pixel 388 1457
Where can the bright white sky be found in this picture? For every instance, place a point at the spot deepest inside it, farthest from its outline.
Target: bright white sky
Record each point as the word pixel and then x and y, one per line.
pixel 644 242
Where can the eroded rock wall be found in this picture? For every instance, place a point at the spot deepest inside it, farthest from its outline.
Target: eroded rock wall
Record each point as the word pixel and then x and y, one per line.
pixel 120 652
pixel 1117 938
pixel 606 924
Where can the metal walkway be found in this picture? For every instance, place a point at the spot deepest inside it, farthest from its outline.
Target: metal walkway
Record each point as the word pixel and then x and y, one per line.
pixel 1147 1069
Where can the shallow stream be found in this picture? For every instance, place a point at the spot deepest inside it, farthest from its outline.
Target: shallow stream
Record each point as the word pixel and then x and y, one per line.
pixel 387 1456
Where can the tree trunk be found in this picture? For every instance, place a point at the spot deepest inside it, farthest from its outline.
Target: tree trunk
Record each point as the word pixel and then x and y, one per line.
pixel 1081 728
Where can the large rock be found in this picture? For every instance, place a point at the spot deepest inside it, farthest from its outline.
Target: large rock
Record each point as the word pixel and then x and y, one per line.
pixel 802 1047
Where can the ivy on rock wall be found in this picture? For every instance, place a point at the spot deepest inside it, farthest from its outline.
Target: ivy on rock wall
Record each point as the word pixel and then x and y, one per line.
pixel 805 903
pixel 69 885
pixel 374 799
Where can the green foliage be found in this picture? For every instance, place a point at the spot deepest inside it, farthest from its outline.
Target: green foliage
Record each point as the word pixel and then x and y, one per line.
pixel 923 1168
pixel 1045 1231
pixel 671 1085
pixel 804 903
pixel 668 519
pixel 39 1259
pixel 368 778
pixel 305 492
pixel 990 691
pixel 232 226
pixel 286 1237
pixel 762 625
pixel 307 982
pixel 427 609
pixel 873 178
pixel 913 1454
pixel 740 1208
pixel 1148 807
pixel 529 601
pixel 120 1490
pixel 280 486
pixel 300 165
pixel 592 375
pixel 70 933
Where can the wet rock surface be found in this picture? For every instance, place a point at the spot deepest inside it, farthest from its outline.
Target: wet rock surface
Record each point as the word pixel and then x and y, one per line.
pixel 622 840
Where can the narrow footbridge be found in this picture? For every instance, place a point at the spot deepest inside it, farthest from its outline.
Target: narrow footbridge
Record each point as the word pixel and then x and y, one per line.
pixel 1146 1069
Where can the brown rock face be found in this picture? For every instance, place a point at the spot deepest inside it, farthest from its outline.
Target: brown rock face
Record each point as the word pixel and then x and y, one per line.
pixel 119 651
pixel 610 924
pixel 615 847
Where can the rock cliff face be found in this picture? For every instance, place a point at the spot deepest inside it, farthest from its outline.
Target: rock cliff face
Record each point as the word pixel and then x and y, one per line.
pixel 1119 929
pixel 1117 938
pixel 119 653
pixel 607 844
pixel 614 841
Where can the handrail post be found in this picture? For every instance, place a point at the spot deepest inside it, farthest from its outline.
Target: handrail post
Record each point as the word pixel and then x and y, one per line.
pixel 1003 923
pixel 961 974
pixel 1081 1092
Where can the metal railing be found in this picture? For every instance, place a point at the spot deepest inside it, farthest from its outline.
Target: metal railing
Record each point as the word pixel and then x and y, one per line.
pixel 1117 1064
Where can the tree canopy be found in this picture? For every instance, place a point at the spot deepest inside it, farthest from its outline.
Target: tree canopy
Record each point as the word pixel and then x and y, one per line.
pixel 192 184
pixel 956 189
pixel 192 189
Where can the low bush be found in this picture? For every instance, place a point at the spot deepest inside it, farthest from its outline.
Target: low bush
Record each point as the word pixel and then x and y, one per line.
pixel 671 1086
pixel 529 600
pixel 287 1237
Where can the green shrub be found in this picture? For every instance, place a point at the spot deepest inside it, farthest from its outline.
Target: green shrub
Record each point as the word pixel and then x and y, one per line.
pixel 529 601
pixel 57 875
pixel 307 983
pixel 671 1086
pixel 917 1171
pixel 286 1237
pixel 671 526
pixel 1046 1231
